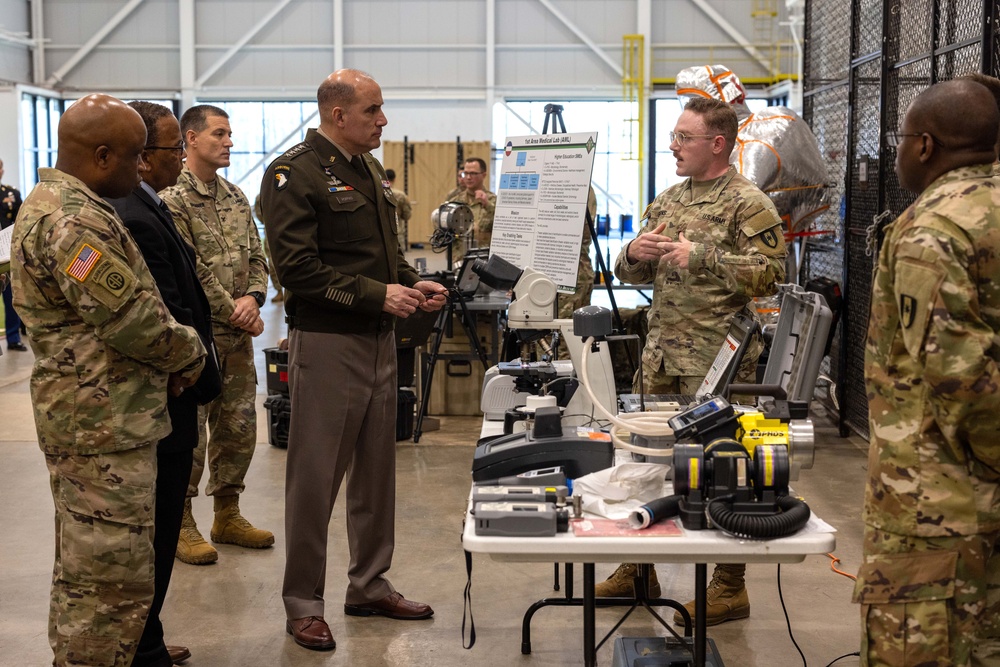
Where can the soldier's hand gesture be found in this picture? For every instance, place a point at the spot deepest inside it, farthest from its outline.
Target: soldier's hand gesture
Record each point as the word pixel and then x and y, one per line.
pixel 646 247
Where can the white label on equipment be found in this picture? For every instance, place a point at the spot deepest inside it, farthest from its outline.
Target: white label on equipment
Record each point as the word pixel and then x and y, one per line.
pixel 722 359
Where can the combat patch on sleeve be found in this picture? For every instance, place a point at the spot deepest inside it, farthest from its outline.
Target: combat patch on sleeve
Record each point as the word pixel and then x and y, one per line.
pixel 282 173
pixel 113 276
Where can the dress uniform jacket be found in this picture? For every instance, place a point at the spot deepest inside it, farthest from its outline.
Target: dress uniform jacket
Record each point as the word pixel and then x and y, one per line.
pixel 737 253
pixel 334 244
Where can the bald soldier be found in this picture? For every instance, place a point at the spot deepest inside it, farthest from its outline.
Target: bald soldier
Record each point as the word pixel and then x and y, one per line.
pixel 330 219
pixel 929 583
pixel 106 351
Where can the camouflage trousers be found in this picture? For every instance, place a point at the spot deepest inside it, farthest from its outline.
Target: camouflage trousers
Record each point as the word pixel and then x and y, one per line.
pixel 231 419
pixel 932 602
pixel 657 381
pixel 102 580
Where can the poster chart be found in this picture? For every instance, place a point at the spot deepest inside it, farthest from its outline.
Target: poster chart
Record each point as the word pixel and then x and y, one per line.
pixel 542 203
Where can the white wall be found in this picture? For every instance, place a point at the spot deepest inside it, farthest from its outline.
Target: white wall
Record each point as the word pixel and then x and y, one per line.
pixel 10 136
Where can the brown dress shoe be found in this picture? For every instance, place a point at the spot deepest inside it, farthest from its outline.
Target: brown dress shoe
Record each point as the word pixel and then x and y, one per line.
pixel 178 654
pixel 311 632
pixel 393 605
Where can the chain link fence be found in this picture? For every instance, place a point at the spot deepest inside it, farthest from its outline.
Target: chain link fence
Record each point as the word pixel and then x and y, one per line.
pixel 865 61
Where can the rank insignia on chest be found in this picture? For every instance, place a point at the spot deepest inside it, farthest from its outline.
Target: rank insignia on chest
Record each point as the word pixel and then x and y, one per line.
pixel 341 188
pixel 769 238
pixel 907 310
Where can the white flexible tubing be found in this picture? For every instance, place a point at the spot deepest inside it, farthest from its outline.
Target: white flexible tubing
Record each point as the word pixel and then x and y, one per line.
pixel 642 423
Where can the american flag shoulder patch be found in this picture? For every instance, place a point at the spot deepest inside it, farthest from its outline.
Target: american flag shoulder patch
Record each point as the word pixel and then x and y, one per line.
pixel 84 262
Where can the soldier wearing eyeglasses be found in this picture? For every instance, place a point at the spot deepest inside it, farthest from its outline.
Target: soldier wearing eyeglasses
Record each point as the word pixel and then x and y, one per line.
pixel 476 196
pixel 709 245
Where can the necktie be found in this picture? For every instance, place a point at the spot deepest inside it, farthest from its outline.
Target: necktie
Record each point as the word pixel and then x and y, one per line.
pixel 165 209
pixel 359 166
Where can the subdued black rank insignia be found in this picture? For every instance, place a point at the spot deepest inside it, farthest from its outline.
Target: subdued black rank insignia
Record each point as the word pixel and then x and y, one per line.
pixel 907 310
pixel 769 238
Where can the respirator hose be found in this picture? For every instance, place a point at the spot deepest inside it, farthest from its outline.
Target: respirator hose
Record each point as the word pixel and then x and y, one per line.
pixel 792 515
pixel 656 510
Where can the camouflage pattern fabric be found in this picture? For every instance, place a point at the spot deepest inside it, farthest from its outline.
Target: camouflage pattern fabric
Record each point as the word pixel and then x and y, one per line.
pixel 404 211
pixel 102 583
pixel 231 420
pixel 932 377
pixel 271 272
pixel 104 345
pixel 738 252
pixel 929 602
pixel 230 258
pixel 482 215
pixel 230 264
pixel 104 341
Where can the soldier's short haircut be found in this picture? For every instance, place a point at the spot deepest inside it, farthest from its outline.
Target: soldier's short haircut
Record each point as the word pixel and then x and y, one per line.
pixel 196 118
pixel 719 118
pixel 151 113
pixel 478 160
pixel 390 174
pixel 991 82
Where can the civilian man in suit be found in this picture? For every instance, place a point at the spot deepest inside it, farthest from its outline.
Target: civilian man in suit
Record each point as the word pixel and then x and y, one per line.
pixel 171 262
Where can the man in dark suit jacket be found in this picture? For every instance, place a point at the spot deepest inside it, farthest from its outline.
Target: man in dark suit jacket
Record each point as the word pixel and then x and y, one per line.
pixel 171 261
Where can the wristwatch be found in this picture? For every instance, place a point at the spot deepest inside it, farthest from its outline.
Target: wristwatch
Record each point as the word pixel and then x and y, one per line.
pixel 258 297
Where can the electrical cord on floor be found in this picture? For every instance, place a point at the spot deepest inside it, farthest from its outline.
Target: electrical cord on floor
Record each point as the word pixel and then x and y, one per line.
pixel 787 621
pixel 846 655
pixel 833 566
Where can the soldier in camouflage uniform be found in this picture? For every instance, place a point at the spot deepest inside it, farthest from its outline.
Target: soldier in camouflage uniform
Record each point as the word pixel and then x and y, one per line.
pixel 482 202
pixel 404 210
pixel 929 584
pixel 213 215
pixel 272 274
pixel 709 246
pixel 106 352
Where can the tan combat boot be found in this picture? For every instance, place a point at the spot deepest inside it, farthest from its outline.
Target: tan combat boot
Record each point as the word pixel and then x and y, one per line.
pixel 726 598
pixel 620 583
pixel 191 546
pixel 231 528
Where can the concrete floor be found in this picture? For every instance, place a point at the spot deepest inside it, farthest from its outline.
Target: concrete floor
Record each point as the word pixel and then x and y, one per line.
pixel 230 613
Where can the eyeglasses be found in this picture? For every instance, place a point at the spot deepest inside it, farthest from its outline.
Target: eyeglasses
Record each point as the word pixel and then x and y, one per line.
pixel 681 138
pixel 472 173
pixel 892 139
pixel 179 148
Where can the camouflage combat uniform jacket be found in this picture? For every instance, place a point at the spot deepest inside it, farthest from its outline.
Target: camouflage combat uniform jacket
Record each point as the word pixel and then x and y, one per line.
pixel 738 252
pixel 104 341
pixel 931 364
pixel 230 258
pixel 482 214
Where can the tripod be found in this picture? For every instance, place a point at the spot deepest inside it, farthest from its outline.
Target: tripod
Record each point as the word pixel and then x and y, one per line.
pixel 554 112
pixel 441 329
